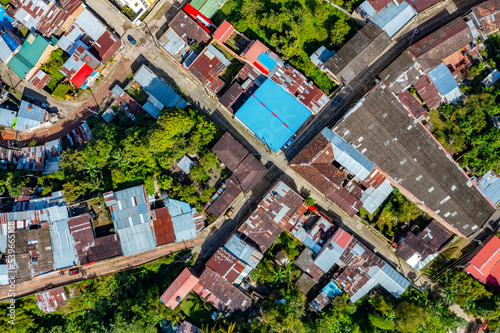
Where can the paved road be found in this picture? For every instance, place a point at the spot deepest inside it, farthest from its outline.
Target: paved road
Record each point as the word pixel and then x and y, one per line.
pixel 146 50
pixel 98 269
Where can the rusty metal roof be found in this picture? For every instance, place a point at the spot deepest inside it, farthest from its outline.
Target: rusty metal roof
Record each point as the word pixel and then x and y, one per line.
pixel 208 66
pixel 224 197
pixel 248 173
pixel 488 15
pixel 428 92
pixel 229 267
pixel 81 229
pixel 48 301
pixel 163 227
pixel 186 28
pixel 411 103
pixel 229 151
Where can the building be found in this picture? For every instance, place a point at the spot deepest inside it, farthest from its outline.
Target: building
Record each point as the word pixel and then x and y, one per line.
pixel 273 115
pixel 63 245
pixel 90 44
pixel 131 219
pixel 489 185
pixel 485 16
pixel 381 129
pixel 184 32
pixel 223 32
pixel 339 171
pixel 53 151
pixel 362 50
pixel 420 249
pixel 35 51
pixel 179 289
pixel 208 66
pixel 48 301
pixel 314 231
pixel 285 76
pixel 484 266
pixel 402 73
pixel 30 116
pixel 208 8
pixel 187 327
pixel 491 78
pixel 161 95
pixel 7 117
pixel 47 17
pixel 391 18
pixel 320 56
pixel 229 267
pixel 138 7
pixel 325 296
pixel 31 158
pixel 126 103
pixel 9 44
pixel 247 172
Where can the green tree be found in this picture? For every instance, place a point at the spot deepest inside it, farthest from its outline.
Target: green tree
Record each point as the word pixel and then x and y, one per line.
pixel 409 317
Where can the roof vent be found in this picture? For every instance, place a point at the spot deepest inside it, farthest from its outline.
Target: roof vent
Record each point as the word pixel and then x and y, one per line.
pixel 275 195
pixel 287 65
pixel 330 246
pixel 178 299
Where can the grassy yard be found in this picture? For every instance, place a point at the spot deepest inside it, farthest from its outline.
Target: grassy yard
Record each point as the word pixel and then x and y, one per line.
pixel 138 93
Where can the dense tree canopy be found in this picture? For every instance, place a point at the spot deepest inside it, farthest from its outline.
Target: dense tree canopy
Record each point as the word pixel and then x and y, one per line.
pixel 466 131
pixel 294 29
pixel 122 156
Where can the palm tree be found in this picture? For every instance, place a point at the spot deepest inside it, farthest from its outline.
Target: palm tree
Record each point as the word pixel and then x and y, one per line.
pixel 176 320
pixel 229 329
pixel 206 329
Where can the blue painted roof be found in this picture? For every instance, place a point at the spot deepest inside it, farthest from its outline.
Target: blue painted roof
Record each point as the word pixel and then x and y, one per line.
pixel 268 110
pixel 11 41
pixel 63 245
pixel 393 17
pixel 266 61
pixel 331 289
pixel 136 239
pixel 5 20
pixel 489 184
pixel 443 79
pixel 368 8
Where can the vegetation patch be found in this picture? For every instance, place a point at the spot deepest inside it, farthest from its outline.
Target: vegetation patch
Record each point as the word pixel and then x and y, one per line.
pixel 52 68
pixel 467 132
pixel 294 29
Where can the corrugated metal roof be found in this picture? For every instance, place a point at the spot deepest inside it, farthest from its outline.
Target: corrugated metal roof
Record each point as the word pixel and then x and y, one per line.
pixel 163 227
pixel 4 272
pixel 372 197
pixel 489 184
pixel 151 109
pixel 185 164
pixel 130 208
pixel 136 239
pixel 327 293
pixel 229 267
pixel 484 266
pixel 29 54
pixel 7 116
pixel 179 289
pixel 208 7
pixel 241 250
pixel 443 79
pixel 224 31
pixel 333 250
pixel 368 8
pixel 29 116
pixel 491 78
pixel 5 51
pixel 153 85
pixel 184 227
pixel 90 24
pixel 394 17
pixel 348 156
pixel 488 15
pixel 48 301
pixel 63 245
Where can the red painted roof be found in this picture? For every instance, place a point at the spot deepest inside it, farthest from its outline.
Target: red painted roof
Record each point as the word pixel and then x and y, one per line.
pixel 429 93
pixel 379 4
pixel 201 19
pixel 485 265
pixel 342 238
pixel 224 31
pixel 163 227
pixel 82 75
pixel 181 286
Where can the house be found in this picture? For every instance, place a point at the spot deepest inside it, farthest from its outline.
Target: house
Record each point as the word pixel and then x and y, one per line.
pixel 220 293
pixel 53 151
pixel 489 185
pixel 420 249
pixel 138 7
pixel 285 76
pixel 103 248
pixel 187 327
pixel 314 231
pixel 273 115
pixel 30 116
pixel 491 78
pixel 207 7
pixel 183 33
pixel 362 50
pixel 208 66
pixel 381 129
pixel 445 83
pixel 126 103
pixel 81 229
pixel 339 171
pixel 484 266
pixel 7 117
pixel 48 301
pixel 402 73
pixel 486 16
pixel 247 172
pixel 90 44
pixel 229 267
pixel 223 32
pixel 47 16
pixel 176 222
pixel 35 51
pixel 325 296
pixel 412 105
pixel 242 250
pixel 63 245
pixel 392 18
pixel 160 94
pixel 9 44
pixel 31 158
pixel 185 164
pixel 320 56
pixel 179 289
pixel 131 219
pixel 39 79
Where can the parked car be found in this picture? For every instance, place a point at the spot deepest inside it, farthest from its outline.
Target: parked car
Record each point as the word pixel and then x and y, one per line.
pixel 73 271
pixel 229 212
pixel 131 40
pixel 288 144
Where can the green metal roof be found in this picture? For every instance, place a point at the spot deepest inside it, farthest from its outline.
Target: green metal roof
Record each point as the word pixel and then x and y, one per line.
pixel 29 54
pixel 208 7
